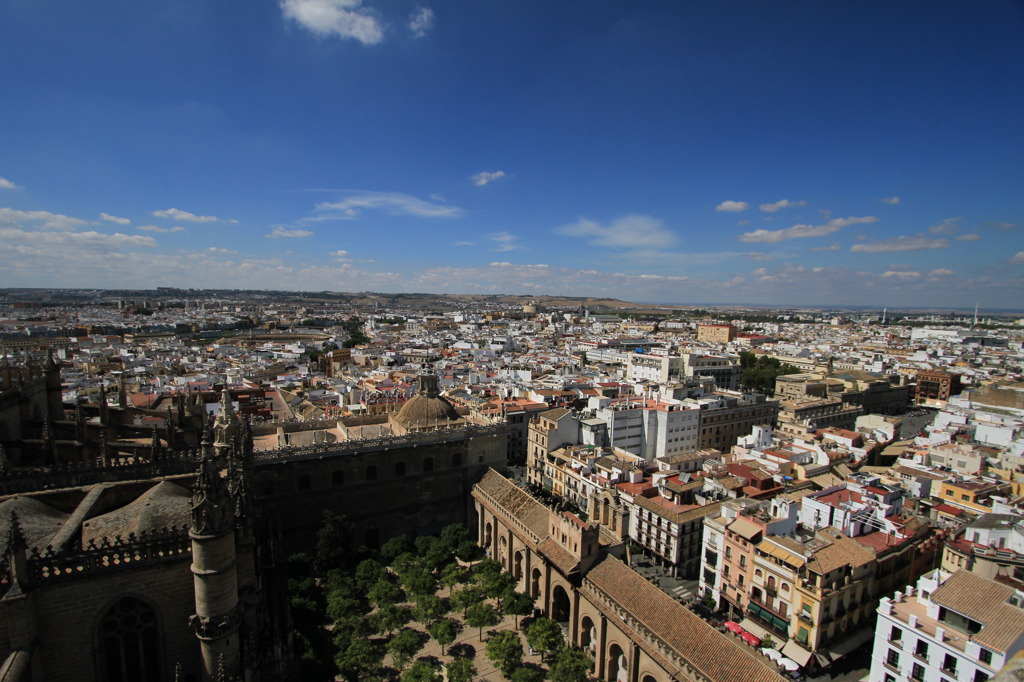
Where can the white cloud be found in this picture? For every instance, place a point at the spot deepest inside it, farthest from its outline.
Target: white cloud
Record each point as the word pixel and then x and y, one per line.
pixel 902 275
pixel 7 184
pixel 285 233
pixel 732 206
pixel 784 203
pixel 918 242
pixel 1000 225
pixel 505 241
pixel 464 244
pixel 178 214
pixel 627 232
pixel 833 247
pixel 340 253
pixel 947 226
pixel 216 249
pixel 482 178
pixel 421 21
pixel 802 231
pixel 114 219
pixel 46 220
pixel 1017 259
pixel 969 237
pixel 160 230
pixel 758 255
pixel 24 241
pixel 892 201
pixel 342 18
pixel 394 203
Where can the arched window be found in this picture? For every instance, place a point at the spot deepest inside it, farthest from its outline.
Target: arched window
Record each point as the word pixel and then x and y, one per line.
pixel 428 464
pixel 399 468
pixel 129 643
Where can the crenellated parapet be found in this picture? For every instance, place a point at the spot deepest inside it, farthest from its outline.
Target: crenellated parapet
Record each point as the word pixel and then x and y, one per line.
pixel 108 554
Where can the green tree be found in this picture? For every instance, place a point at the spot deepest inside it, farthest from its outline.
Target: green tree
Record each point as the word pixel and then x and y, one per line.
pixel 390 617
pixel 428 608
pixel 468 550
pixel 528 674
pixel 403 646
pixel 454 535
pixel 384 593
pixel 544 635
pixel 481 615
pixel 423 670
pixel 571 665
pixel 358 659
pixel 419 580
pixel 460 670
pixel 464 598
pixel 517 604
pixel 395 547
pixel 333 543
pixel 453 575
pixel 444 632
pixel 368 572
pixel 505 651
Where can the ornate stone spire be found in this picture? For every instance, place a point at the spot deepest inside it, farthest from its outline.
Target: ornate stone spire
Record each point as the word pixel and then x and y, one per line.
pixel 212 512
pixel 17 561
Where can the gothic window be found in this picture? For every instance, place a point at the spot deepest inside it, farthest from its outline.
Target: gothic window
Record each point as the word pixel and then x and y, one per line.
pixel 129 637
pixel 399 468
pixel 371 473
pixel 428 464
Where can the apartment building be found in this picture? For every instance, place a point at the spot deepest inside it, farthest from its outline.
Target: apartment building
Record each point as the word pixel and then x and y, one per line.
pixel 949 627
pixel 716 333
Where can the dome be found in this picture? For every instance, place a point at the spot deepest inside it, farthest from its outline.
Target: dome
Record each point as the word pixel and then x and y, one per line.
pixel 427 409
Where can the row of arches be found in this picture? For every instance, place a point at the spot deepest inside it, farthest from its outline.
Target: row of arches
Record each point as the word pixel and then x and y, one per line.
pixel 616 658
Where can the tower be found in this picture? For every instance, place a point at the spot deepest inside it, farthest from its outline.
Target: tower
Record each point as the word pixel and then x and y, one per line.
pixel 214 571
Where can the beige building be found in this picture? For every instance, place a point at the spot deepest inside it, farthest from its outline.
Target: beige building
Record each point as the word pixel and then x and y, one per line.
pixel 633 630
pixel 716 333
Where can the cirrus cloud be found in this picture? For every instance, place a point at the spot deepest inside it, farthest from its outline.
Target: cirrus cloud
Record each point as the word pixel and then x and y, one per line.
pixel 627 232
pixel 783 203
pixel 394 203
pixel 114 219
pixel 160 230
pixel 804 231
pixel 280 232
pixel 178 214
pixel 45 219
pixel 918 242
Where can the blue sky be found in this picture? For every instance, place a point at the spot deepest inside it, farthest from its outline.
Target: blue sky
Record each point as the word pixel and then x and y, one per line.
pixel 788 153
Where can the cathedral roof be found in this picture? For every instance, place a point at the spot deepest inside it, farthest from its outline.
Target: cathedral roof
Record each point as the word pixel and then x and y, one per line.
pixel 39 521
pixel 165 505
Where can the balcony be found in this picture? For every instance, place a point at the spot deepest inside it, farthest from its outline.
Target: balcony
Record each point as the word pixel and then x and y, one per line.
pixel 805 617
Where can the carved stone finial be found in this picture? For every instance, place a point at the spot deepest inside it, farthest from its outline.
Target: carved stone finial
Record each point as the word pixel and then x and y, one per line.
pixel 212 512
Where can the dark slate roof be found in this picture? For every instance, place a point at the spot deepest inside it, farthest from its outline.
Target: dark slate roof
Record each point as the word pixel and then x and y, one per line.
pixel 165 505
